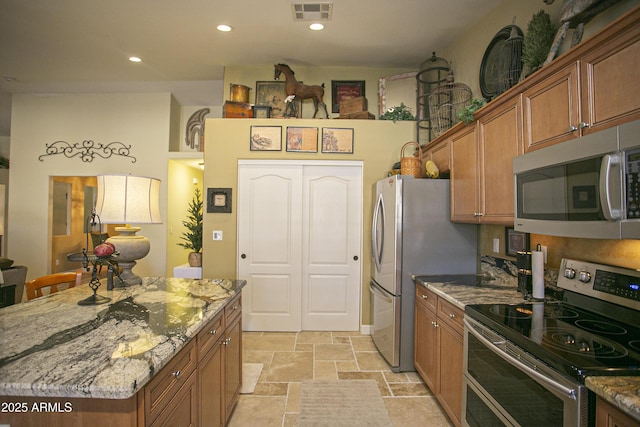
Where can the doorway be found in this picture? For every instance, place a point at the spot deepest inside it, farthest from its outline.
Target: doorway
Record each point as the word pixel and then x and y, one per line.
pixel 299 244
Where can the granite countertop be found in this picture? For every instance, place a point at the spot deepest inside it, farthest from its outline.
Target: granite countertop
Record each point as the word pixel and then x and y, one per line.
pixel 622 392
pixel 51 346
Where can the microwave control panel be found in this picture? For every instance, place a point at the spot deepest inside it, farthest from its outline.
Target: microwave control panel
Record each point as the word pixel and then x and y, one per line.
pixel 632 164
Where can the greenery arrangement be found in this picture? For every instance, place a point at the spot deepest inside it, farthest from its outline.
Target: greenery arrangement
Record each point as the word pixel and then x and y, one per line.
pixel 193 223
pixel 465 114
pixel 401 112
pixel 537 41
pixel 4 162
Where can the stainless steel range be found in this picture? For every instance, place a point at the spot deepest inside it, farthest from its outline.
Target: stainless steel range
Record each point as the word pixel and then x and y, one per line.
pixel 525 364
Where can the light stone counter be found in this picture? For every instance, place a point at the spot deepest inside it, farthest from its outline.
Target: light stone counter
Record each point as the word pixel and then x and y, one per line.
pixel 51 346
pixel 621 392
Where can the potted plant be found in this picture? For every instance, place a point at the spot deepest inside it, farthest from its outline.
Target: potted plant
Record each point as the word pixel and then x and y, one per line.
pixel 193 236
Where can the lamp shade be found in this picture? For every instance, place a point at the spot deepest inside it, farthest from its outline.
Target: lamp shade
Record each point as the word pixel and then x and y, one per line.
pixel 128 199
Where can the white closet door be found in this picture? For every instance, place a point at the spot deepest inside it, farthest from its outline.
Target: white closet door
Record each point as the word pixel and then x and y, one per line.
pixel 299 243
pixel 269 239
pixel 331 236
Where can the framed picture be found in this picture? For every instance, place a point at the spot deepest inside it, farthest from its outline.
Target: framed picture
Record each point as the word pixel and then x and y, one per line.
pixel 266 138
pixel 337 140
pixel 302 139
pixel 515 241
pixel 345 89
pixel 218 200
pixel 261 111
pixel 272 94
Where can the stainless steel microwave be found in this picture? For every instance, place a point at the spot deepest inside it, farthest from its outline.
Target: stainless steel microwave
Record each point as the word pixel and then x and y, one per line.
pixel 587 187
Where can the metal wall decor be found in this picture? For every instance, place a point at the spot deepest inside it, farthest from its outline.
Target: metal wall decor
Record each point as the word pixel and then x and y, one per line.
pixel 87 150
pixel 195 126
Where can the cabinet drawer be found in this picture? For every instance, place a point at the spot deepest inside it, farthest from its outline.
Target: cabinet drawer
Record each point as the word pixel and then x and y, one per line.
pixel 212 332
pixel 232 309
pixel 166 383
pixel 451 315
pixel 426 297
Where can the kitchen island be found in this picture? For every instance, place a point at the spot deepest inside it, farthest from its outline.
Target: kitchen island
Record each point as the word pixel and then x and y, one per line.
pixel 120 363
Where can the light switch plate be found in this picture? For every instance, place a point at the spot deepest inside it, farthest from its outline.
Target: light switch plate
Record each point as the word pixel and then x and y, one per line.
pixel 217 234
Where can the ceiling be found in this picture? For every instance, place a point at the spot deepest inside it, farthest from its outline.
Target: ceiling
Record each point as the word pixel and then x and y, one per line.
pixel 83 46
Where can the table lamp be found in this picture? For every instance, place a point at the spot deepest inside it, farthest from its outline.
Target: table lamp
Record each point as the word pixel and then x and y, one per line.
pixel 128 199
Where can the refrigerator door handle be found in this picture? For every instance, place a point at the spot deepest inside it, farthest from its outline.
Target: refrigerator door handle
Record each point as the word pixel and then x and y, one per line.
pixel 378 214
pixel 376 291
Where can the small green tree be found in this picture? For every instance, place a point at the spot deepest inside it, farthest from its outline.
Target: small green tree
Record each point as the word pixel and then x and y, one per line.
pixel 193 223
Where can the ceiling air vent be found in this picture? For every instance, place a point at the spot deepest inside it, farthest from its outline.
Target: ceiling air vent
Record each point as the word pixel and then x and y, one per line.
pixel 312 11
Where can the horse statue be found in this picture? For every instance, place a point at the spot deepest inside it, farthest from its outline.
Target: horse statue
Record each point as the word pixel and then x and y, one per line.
pixel 294 88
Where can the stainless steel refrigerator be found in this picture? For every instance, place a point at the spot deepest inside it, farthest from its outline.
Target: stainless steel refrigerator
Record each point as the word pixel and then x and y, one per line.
pixel 411 234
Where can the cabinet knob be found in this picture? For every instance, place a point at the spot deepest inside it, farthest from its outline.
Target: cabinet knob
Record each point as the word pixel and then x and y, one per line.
pixel 584 125
pixel 243 256
pixel 213 331
pixel 573 128
pixel 451 315
pixel 355 257
pixel 235 307
pixel 434 324
pixel 425 296
pixel 177 373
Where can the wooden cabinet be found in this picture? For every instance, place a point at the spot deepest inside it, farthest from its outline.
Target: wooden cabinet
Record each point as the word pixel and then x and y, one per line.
pixel 591 88
pixel 482 165
pixel 172 387
pixel 552 109
pixel 608 415
pixel 439 153
pixel 438 349
pixel 220 365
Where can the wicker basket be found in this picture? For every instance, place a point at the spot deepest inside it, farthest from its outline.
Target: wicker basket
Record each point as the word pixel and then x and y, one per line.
pixel 411 165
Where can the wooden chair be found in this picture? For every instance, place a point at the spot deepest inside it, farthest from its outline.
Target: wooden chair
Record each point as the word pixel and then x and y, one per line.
pixel 51 281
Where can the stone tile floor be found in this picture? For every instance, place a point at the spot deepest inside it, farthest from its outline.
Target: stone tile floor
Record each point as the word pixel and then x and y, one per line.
pixel 289 358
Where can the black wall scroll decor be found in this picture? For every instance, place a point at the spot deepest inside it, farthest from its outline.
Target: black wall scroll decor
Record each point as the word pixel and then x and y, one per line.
pixel 87 150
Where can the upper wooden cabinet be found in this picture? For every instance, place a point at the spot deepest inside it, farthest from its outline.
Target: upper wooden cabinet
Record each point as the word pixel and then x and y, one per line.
pixel 440 154
pixel 482 165
pixel 590 88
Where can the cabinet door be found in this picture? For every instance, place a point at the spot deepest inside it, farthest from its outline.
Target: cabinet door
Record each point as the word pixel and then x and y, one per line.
pixel 450 345
pixel 425 345
pixel 464 176
pixel 182 410
pixel 500 140
pixel 232 365
pixel 608 415
pixel 609 79
pixel 211 377
pixel 440 155
pixel 551 109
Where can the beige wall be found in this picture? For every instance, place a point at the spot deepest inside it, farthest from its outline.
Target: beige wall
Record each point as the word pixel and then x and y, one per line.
pixel 377 143
pixel 141 120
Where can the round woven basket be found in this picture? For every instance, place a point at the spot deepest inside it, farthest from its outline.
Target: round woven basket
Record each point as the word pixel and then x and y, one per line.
pixel 411 165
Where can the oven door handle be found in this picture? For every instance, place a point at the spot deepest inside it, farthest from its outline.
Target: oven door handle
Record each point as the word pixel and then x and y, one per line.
pixel 529 371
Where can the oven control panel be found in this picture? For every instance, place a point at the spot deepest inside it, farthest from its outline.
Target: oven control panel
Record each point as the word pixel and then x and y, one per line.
pixel 614 284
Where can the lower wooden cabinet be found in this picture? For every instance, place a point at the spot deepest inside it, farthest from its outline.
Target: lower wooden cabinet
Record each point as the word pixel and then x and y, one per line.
pixel 608 415
pixel 438 349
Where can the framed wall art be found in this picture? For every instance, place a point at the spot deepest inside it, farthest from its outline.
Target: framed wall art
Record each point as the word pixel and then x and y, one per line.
pixel 515 241
pixel 272 94
pixel 218 200
pixel 345 89
pixel 266 138
pixel 302 139
pixel 337 140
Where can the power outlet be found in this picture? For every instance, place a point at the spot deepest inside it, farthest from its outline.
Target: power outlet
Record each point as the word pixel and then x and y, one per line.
pixel 217 234
pixel 496 245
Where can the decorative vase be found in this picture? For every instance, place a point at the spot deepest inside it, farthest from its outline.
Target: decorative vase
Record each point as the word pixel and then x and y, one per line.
pixel 195 259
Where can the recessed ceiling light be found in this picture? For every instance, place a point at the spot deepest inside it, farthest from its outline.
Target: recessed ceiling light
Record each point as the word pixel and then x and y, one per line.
pixel 134 59
pixel 316 27
pixel 224 28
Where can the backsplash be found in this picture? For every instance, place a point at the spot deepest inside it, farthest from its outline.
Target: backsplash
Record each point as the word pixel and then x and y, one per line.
pixel 506 271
